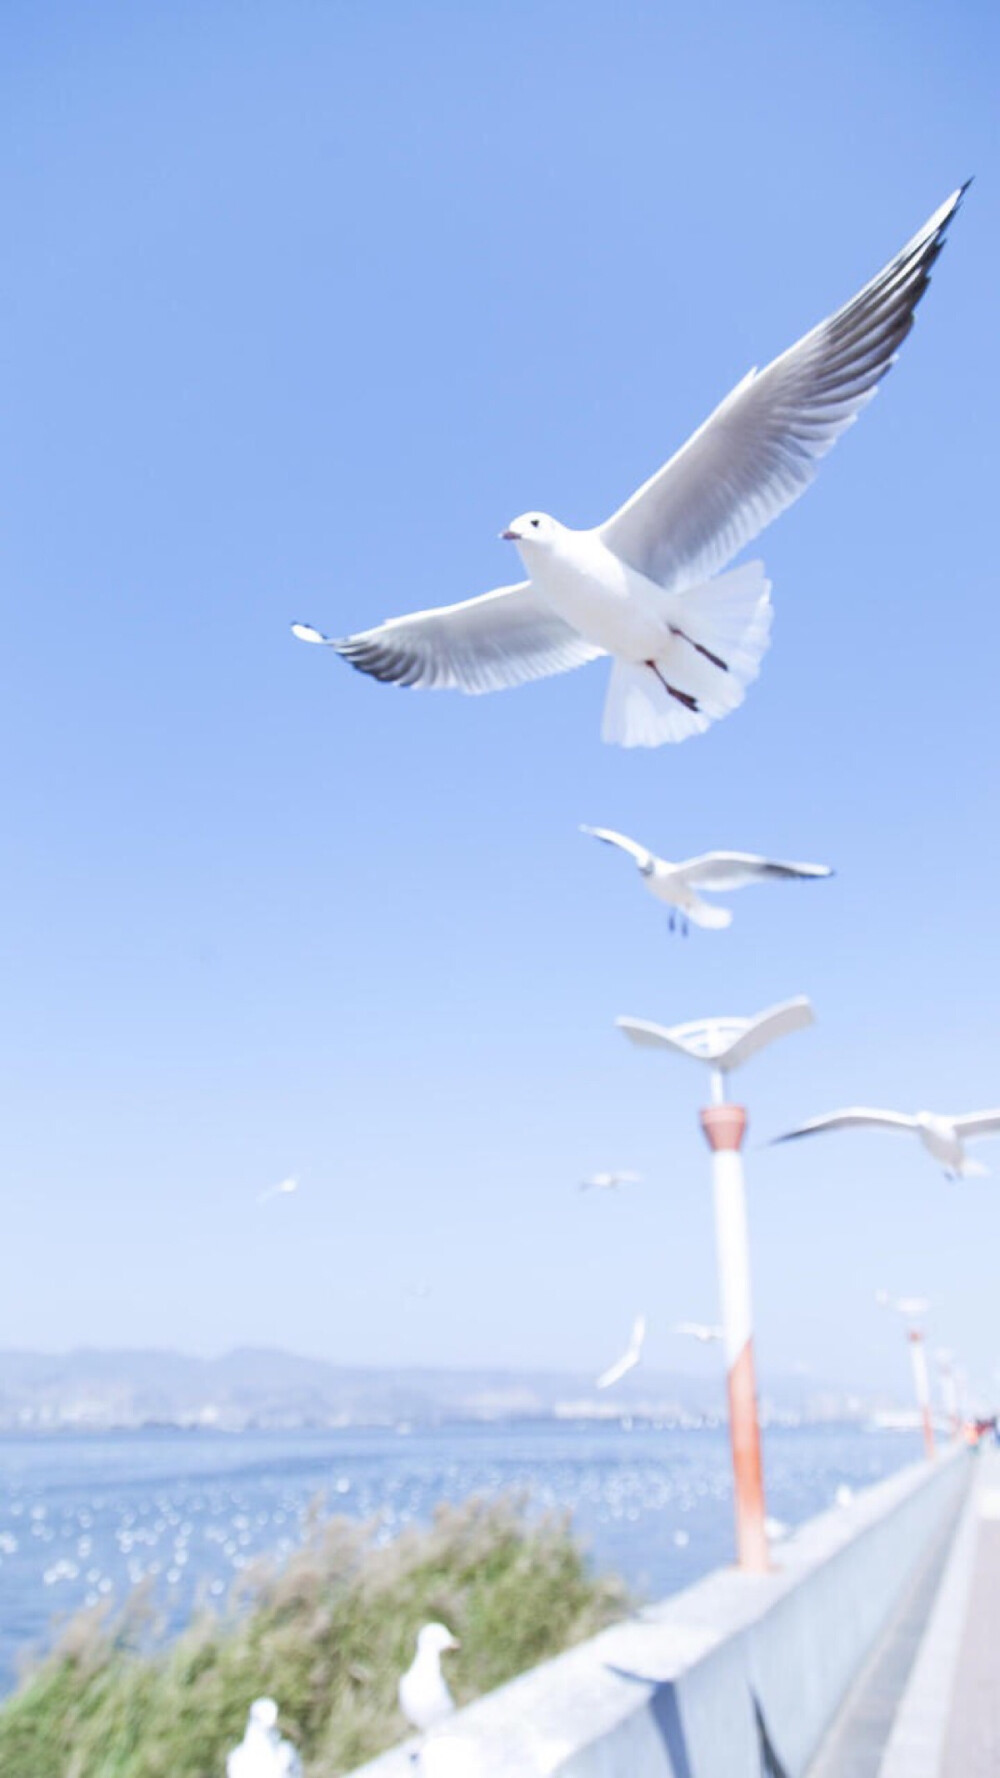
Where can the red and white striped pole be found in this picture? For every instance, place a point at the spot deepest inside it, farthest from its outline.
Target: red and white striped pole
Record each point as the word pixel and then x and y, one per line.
pixel 921 1383
pixel 725 1126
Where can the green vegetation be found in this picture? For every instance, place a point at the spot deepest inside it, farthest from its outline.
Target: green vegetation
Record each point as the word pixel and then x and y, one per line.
pixel 327 1634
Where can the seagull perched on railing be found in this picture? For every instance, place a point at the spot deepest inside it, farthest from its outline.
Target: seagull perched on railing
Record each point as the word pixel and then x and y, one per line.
pixel 609 1182
pixel 263 1753
pixel 629 1358
pixel 943 1137
pixel 677 884
pixel 424 1697
pixel 647 586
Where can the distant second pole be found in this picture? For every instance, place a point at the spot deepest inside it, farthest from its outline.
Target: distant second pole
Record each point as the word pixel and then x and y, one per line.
pixel 921 1383
pixel 724 1126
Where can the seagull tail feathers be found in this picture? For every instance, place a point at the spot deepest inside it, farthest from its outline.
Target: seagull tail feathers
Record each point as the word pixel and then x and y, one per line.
pixel 706 913
pixel 971 1169
pixel 726 620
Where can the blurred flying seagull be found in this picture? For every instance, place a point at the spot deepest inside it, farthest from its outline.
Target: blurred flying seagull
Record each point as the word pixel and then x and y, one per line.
pixel 424 1697
pixel 629 1359
pixel 283 1189
pixel 609 1182
pixel 910 1306
pixel 646 586
pixel 943 1137
pixel 263 1753
pixel 676 884
pixel 724 1044
pixel 699 1330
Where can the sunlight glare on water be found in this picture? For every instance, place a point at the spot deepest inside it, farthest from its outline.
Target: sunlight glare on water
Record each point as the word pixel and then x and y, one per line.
pixel 84 1519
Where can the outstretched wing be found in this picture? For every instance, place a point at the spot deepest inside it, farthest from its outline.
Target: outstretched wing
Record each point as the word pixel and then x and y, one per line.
pixel 735 870
pixel 616 1372
pixel 643 858
pixel 502 638
pixel 856 1117
pixel 628 1360
pixel 761 447
pixel 978 1123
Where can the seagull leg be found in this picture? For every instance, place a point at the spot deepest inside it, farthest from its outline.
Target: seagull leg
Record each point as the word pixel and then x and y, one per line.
pixel 715 659
pixel 685 928
pixel 683 697
pixel 672 922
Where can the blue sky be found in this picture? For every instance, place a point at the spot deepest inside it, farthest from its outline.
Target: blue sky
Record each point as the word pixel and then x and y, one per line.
pixel 301 304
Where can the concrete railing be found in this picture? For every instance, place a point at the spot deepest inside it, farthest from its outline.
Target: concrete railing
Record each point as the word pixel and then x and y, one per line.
pixel 739 1675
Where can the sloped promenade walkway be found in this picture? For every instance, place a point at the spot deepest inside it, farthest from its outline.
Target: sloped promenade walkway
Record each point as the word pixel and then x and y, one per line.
pixel 928 1702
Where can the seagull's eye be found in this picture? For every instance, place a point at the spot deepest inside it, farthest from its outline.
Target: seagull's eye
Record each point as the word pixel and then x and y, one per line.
pixel 536 523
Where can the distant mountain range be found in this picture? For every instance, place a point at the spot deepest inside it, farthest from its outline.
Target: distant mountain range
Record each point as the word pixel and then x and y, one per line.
pixel 264 1388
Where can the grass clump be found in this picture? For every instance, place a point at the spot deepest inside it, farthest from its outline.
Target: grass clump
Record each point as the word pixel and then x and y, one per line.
pixel 328 1634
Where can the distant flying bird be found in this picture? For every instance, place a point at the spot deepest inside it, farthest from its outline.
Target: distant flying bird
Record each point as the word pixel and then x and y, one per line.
pixel 943 1137
pixel 262 1753
pixel 284 1189
pixel 609 1182
pixel 424 1697
pixel 677 884
pixel 904 1305
pixel 724 1044
pixel 646 586
pixel 699 1330
pixel 629 1358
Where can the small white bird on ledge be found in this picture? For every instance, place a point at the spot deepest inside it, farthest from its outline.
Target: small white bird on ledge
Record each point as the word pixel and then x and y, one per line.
pixel 424 1697
pixel 263 1753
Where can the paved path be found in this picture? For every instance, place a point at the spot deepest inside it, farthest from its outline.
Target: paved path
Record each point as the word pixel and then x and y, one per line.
pixel 855 1745
pixel 972 1735
pixel 927 1704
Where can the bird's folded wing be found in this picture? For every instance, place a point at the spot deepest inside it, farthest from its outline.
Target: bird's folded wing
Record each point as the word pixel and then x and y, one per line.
pixel 853 1118
pixel 632 847
pixel 978 1123
pixel 502 638
pixel 760 449
pixel 734 870
pixel 778 1021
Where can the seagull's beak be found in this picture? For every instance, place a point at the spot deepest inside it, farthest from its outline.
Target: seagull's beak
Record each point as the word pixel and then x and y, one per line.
pixel 511 536
pixel 453 1642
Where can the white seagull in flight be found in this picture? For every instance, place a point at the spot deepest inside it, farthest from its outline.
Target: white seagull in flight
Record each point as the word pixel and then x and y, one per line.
pixel 703 1331
pixel 943 1137
pixel 629 1358
pixel 677 884
pixel 609 1182
pixel 284 1189
pixel 647 586
pixel 911 1306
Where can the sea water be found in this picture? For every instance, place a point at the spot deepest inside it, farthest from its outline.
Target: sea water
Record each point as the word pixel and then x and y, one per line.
pixel 84 1518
